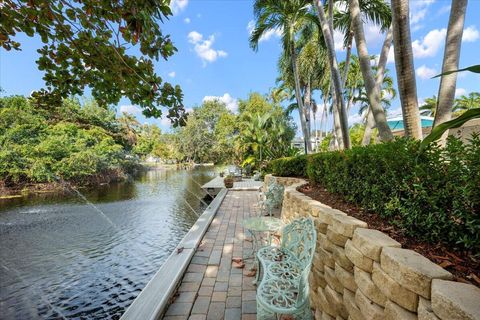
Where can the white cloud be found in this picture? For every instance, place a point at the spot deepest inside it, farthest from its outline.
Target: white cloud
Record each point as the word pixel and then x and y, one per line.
pixel 460 92
pixel 338 39
pixel 178 6
pixel 203 47
pixel 425 72
pixel 172 74
pixel 165 121
pixel 355 118
pixel 430 44
pixel 230 102
pixel 391 56
pixel 267 35
pixel 418 12
pixel 373 34
pixel 470 34
pixel 187 20
pixel 130 109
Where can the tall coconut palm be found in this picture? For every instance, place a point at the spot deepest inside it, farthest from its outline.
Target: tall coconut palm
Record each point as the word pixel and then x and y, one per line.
pixel 407 86
pixel 337 83
pixel 429 107
pixel 373 92
pixel 465 102
pixel 451 56
pixel 289 17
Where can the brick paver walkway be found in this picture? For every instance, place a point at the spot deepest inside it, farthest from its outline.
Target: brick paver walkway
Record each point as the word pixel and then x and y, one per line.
pixel 211 288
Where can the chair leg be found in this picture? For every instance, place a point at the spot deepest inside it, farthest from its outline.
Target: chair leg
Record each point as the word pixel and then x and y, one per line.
pixel 263 313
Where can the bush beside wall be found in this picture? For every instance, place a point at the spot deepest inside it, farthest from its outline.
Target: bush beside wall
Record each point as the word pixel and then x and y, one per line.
pixel 433 195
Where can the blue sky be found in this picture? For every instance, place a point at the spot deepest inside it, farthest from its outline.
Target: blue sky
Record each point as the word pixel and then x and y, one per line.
pixel 215 60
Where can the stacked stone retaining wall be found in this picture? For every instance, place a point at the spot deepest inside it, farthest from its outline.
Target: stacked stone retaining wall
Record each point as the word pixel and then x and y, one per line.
pixel 360 273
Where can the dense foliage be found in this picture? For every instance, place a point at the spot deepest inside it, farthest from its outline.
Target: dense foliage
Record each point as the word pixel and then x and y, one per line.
pixel 108 46
pixel 432 195
pixel 259 132
pixel 71 143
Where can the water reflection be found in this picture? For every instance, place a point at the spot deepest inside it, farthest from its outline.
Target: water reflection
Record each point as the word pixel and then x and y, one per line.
pixel 60 258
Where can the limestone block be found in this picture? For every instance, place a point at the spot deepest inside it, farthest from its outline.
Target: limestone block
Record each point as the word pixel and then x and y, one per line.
pixel 342 259
pixel 319 226
pixel 368 288
pixel 327 244
pixel 326 316
pixel 336 238
pixel 327 258
pixel 324 304
pixel 369 309
pixel 412 270
pixel 326 215
pixel 455 300
pixel 425 311
pixel 370 242
pixel 351 306
pixel 346 225
pixel 336 299
pixel 317 279
pixel 393 290
pixel 317 263
pixel 321 238
pixel 332 280
pixel 345 277
pixel 394 312
pixel 318 314
pixel 358 258
pixel 317 207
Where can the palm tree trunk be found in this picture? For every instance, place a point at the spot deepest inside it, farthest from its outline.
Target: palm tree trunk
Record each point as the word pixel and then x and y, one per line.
pixel 308 109
pixel 336 121
pixel 367 135
pixel 348 57
pixel 451 56
pixel 382 62
pixel 335 72
pixel 298 96
pixel 407 85
pixel 373 93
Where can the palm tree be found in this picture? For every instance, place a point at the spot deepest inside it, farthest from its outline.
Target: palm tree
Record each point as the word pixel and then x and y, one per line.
pixel 327 31
pixel 130 126
pixel 405 69
pixel 288 16
pixel 465 103
pixel 429 107
pixel 451 56
pixel 373 92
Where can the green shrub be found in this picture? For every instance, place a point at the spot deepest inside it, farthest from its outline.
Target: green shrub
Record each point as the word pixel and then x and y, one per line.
pixel 433 195
pixel 288 167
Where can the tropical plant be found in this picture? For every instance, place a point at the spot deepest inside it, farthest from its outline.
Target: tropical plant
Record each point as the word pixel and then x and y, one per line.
pixel 289 17
pixel 467 102
pixel 429 106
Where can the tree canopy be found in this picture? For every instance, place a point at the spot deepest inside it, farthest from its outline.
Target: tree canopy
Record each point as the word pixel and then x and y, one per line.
pixel 108 46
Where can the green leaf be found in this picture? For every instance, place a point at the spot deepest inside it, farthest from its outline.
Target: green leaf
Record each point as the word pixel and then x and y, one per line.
pixel 475 69
pixel 437 131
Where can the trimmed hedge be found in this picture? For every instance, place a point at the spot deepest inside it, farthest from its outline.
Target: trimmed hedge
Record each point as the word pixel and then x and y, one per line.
pixel 288 167
pixel 433 195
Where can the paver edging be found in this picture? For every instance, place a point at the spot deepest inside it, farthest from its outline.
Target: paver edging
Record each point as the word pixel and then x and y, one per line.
pixel 153 300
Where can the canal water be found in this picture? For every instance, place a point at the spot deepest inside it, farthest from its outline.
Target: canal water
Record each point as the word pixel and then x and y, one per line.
pixel 62 258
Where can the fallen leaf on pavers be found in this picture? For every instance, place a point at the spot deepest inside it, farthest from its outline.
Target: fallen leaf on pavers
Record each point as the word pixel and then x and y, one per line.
pixel 179 250
pixel 238 265
pixel 250 273
pixel 237 260
pixel 286 317
pixel 249 239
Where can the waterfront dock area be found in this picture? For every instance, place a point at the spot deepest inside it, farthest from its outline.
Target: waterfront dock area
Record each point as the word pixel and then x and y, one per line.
pixel 216 184
pixel 213 286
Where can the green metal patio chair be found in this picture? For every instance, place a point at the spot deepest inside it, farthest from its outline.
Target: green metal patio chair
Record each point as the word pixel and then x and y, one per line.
pixel 284 284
